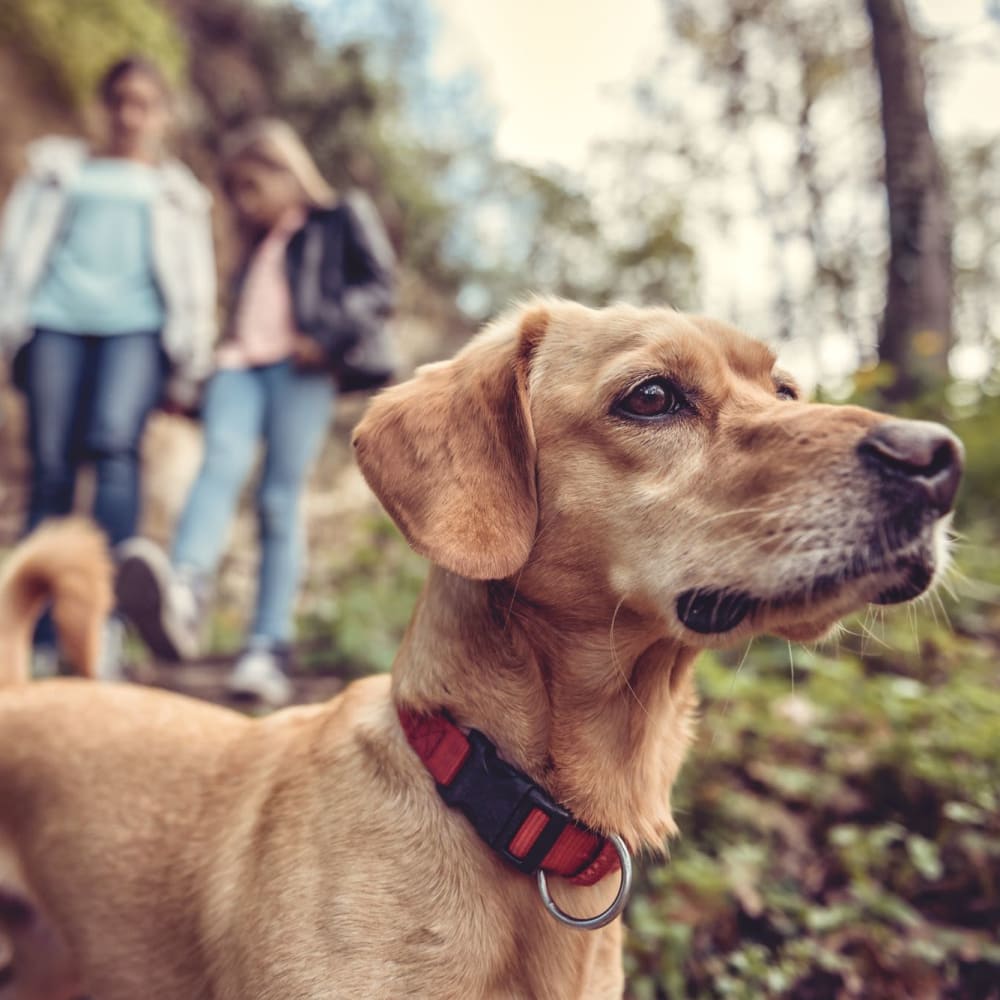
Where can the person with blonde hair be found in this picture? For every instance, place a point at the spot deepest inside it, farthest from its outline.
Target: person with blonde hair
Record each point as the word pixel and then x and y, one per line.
pixel 310 298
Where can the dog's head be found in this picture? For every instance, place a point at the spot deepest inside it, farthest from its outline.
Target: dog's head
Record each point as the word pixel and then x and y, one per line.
pixel 659 465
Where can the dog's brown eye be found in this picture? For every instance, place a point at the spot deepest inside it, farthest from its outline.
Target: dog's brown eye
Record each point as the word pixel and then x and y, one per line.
pixel 786 392
pixel 655 398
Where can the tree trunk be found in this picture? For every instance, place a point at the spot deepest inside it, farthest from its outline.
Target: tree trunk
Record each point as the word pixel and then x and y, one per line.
pixel 916 329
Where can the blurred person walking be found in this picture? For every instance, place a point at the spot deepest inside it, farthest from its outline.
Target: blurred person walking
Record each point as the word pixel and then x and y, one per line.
pixel 107 304
pixel 309 305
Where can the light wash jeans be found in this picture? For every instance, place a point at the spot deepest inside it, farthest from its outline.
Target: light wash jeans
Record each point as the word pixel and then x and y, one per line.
pixel 290 412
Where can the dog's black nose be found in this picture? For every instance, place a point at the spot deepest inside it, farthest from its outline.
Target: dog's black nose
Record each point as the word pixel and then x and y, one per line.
pixel 919 452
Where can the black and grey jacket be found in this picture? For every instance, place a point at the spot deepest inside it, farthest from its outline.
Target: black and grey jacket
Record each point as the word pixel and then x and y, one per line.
pixel 341 275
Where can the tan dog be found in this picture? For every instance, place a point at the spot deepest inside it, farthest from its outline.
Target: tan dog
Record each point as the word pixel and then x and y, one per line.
pixel 602 494
pixel 65 562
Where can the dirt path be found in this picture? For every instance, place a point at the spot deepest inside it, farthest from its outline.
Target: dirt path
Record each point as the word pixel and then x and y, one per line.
pixel 205 679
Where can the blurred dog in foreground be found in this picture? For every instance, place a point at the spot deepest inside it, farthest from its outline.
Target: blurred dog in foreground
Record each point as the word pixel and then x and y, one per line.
pixel 601 495
pixel 64 563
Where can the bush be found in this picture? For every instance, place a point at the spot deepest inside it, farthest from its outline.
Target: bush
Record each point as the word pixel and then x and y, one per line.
pixel 364 602
pixel 840 831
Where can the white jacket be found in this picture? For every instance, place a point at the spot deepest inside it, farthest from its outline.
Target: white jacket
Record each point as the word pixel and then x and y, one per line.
pixel 183 255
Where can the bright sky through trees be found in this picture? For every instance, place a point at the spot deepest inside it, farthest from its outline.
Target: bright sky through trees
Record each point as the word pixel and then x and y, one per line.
pixel 559 71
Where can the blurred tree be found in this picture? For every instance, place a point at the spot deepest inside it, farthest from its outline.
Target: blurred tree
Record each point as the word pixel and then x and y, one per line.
pixel 974 183
pixel 767 118
pixel 766 112
pixel 71 44
pixel 533 229
pixel 916 330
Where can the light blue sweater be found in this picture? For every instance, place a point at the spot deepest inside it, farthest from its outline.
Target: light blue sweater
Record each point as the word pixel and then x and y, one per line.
pixel 100 277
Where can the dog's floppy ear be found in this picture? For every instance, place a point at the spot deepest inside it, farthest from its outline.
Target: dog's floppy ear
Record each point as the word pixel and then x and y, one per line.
pixel 451 453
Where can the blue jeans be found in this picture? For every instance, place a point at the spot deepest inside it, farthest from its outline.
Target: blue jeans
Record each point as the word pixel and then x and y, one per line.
pixel 88 399
pixel 290 411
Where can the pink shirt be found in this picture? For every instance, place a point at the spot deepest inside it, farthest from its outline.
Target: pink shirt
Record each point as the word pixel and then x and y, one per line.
pixel 263 325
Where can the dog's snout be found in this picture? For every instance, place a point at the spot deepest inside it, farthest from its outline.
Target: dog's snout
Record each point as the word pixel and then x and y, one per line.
pixel 917 451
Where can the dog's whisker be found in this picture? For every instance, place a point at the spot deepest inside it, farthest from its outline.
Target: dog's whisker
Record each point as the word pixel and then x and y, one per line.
pixel 872 636
pixel 911 617
pixel 735 513
pixel 773 509
pixel 939 601
pixel 617 662
pixel 868 627
pixel 926 600
pixel 513 597
pixel 729 694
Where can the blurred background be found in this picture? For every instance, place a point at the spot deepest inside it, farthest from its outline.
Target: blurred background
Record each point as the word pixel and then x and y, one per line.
pixel 840 817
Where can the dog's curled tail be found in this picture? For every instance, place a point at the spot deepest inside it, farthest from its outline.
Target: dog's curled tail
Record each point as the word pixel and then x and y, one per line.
pixel 64 563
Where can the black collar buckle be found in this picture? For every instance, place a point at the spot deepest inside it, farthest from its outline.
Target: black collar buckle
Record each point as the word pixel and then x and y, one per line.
pixel 497 798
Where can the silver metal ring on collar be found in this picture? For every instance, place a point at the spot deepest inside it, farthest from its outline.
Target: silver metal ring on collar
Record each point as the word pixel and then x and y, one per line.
pixel 616 907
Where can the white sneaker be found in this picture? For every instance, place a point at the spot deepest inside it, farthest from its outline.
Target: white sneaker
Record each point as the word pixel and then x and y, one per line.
pixel 109 665
pixel 164 607
pixel 259 675
pixel 45 662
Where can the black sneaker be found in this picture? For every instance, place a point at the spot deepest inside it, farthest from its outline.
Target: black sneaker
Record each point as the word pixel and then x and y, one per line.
pixel 164 607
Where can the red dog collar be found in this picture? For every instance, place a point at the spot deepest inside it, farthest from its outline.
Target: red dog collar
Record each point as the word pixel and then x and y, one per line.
pixel 515 816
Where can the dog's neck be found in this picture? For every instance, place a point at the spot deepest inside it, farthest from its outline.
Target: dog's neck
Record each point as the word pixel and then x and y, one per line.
pixel 600 717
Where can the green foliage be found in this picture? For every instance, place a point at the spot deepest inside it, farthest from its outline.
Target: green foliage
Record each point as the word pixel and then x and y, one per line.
pixel 978 425
pixel 365 603
pixel 841 824
pixel 70 43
